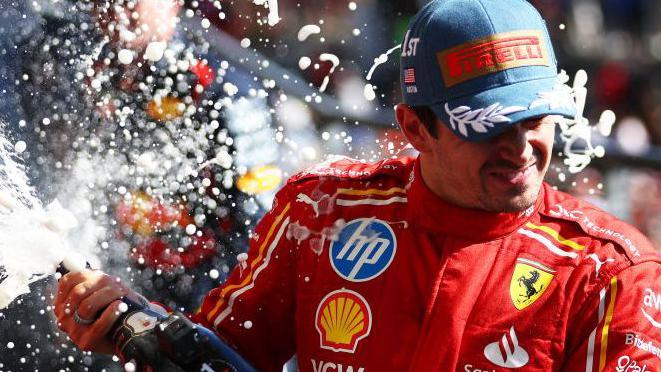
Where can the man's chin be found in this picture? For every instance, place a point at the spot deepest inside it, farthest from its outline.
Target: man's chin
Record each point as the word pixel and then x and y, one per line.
pixel 517 199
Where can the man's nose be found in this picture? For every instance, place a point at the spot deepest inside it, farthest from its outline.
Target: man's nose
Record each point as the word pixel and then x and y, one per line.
pixel 514 145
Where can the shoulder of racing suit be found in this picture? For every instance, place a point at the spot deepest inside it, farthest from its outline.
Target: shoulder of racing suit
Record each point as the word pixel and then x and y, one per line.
pixel 605 245
pixel 610 291
pixel 345 168
pixel 598 226
pixel 340 178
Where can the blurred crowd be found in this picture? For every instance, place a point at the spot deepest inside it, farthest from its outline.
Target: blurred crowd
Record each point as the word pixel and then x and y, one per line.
pixel 125 84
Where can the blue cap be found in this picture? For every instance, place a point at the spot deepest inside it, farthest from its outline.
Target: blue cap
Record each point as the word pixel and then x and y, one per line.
pixel 482 66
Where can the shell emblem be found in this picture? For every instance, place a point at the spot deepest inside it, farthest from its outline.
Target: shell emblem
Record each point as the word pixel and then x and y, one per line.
pixel 343 318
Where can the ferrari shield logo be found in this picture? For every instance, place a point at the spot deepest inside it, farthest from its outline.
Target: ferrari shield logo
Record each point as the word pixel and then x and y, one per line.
pixel 529 281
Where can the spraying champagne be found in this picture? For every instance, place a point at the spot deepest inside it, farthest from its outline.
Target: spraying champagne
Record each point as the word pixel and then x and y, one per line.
pixel 154 341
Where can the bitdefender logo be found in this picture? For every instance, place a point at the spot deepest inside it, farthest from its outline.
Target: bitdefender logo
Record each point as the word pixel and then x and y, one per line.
pixel 514 356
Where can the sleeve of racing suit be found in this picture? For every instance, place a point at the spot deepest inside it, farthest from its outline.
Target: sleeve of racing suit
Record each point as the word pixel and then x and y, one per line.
pixel 619 327
pixel 254 309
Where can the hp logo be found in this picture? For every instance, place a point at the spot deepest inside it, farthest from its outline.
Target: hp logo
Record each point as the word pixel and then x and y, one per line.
pixel 365 248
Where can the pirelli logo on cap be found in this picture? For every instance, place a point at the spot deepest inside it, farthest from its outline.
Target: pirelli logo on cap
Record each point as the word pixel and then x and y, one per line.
pixel 493 54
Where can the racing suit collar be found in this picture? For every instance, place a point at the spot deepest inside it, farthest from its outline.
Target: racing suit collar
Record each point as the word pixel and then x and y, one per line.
pixel 429 211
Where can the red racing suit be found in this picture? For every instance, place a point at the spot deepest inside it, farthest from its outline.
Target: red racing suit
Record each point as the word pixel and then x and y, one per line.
pixel 360 267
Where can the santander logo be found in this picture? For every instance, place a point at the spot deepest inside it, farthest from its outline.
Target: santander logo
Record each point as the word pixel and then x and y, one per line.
pixel 507 352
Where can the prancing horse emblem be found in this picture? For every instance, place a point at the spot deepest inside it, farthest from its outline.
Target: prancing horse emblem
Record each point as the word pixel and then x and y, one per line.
pixel 530 280
pixel 529 283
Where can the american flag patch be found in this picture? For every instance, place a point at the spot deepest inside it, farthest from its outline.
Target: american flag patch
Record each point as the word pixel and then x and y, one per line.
pixel 409 76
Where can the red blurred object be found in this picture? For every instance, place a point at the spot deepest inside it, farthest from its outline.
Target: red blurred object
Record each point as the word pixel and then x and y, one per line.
pixel 612 84
pixel 158 254
pixel 394 136
pixel 146 215
pixel 205 74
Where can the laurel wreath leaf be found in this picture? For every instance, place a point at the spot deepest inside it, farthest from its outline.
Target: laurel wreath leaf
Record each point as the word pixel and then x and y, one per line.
pixel 480 120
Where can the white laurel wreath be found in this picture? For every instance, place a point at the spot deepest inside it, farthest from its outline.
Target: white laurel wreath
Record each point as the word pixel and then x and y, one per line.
pixel 482 119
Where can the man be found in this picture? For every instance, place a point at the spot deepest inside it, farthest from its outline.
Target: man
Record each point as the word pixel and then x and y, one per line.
pixel 459 259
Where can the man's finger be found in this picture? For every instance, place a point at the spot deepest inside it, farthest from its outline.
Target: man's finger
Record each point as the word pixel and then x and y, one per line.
pixel 91 305
pixel 107 319
pixel 71 280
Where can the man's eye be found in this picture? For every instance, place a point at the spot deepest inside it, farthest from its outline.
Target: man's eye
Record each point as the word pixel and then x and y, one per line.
pixel 536 122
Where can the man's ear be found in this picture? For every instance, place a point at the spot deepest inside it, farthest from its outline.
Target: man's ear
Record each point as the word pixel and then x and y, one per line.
pixel 413 128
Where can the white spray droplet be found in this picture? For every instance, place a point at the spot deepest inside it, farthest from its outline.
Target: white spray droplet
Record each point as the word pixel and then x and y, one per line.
pixel 304 62
pixel 129 367
pixel 245 42
pixel 369 93
pixel 606 121
pixel 242 257
pixel 599 151
pixel 581 78
pixel 332 58
pixel 383 58
pixel 205 23
pixel 273 17
pixel 190 229
pixel 123 307
pixel 125 56
pixel 352 6
pixel 356 32
pixel 155 51
pixel 10 345
pixel 247 324
pixel 20 146
pixel 214 274
pixel 308 30
pixel 74 262
pixel 230 89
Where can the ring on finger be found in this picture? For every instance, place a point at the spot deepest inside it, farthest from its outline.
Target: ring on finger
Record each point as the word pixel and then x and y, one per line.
pixel 81 321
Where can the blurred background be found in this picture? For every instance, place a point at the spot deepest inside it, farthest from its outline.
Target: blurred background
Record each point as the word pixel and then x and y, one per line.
pixel 167 126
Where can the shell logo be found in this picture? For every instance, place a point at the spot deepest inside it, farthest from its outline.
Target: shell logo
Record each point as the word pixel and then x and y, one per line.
pixel 343 318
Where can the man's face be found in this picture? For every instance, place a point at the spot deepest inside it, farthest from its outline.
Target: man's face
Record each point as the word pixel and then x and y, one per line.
pixel 501 175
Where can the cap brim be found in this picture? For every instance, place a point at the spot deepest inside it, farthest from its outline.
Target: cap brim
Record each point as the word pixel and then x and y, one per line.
pixel 479 117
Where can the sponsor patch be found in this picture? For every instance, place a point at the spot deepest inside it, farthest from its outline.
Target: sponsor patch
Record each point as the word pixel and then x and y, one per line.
pixel 642 344
pixel 507 352
pixel 470 368
pixel 492 54
pixel 529 281
pixel 343 319
pixel 651 302
pixel 626 364
pixel 321 366
pixel 364 249
pixel 588 225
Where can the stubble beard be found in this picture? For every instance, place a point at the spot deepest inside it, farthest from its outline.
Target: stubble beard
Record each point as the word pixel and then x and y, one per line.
pixel 517 199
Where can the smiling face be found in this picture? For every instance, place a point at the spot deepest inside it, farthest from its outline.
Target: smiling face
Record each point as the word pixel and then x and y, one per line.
pixel 501 175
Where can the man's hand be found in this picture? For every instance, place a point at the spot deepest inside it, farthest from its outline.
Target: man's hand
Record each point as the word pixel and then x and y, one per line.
pixel 80 298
